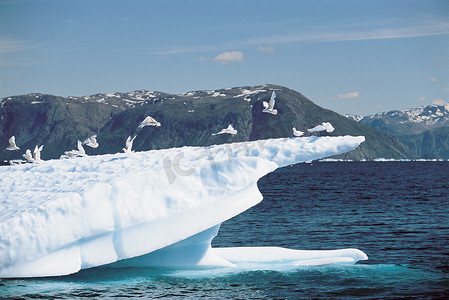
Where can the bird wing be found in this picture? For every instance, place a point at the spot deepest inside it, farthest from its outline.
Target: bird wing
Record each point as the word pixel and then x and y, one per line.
pixel 80 148
pixel 12 141
pixel 265 104
pixel 129 142
pixel 272 101
pixel 144 122
pixel 317 128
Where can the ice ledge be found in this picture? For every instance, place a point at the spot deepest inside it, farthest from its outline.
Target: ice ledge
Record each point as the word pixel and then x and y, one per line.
pixel 65 215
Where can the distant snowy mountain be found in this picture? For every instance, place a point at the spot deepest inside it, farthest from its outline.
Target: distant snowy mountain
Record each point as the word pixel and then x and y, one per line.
pixel 425 130
pixel 408 121
pixel 187 119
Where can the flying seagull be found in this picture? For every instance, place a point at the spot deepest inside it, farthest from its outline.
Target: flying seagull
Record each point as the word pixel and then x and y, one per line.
pixel 229 130
pixel 37 153
pixel 75 153
pixel 297 132
pixel 12 144
pixel 149 121
pixel 129 144
pixel 323 126
pixel 269 107
pixel 91 141
pixel 28 156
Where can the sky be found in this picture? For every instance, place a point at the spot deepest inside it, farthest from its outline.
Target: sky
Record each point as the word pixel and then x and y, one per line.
pixel 353 57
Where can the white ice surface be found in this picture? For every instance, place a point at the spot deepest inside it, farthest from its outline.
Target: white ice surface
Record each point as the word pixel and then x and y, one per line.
pixel 273 255
pixel 196 252
pixel 61 216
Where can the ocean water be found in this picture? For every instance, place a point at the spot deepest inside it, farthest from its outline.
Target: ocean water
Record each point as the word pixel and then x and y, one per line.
pixel 396 212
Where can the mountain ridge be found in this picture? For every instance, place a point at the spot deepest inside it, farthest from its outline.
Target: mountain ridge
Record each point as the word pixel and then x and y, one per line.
pixel 408 121
pixel 187 119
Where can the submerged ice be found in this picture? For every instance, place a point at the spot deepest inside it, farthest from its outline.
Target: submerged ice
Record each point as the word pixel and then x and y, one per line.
pixel 154 208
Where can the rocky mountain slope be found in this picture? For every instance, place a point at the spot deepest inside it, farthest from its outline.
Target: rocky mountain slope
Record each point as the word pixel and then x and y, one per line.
pixel 425 130
pixel 432 143
pixel 188 119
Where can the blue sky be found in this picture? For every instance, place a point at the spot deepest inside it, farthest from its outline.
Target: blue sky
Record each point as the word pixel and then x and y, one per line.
pixel 359 57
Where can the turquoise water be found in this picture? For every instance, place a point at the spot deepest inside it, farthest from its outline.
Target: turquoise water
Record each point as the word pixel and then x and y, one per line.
pixel 338 281
pixel 396 212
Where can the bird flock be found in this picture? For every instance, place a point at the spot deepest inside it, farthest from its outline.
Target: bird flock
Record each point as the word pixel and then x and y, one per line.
pixel 79 152
pixel 92 142
pixel 269 108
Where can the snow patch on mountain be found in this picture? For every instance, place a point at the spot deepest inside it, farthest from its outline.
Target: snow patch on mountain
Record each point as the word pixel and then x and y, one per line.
pixel 356 118
pixel 246 92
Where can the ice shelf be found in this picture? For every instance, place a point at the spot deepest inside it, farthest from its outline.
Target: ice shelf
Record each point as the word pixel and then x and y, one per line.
pixel 61 216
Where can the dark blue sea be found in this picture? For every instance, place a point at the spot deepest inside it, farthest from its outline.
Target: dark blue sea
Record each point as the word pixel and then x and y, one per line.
pixel 396 212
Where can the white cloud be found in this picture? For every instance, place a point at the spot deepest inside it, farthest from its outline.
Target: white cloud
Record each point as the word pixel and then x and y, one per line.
pixel 439 101
pixel 433 79
pixel 386 29
pixel 13 46
pixel 266 48
pixel 370 30
pixel 229 57
pixel 422 98
pixel 351 95
pixel 10 46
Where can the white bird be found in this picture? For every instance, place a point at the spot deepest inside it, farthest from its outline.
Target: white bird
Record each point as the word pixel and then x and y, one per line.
pixel 12 144
pixel 75 153
pixel 149 121
pixel 269 107
pixel 28 156
pixel 37 153
pixel 70 154
pixel 230 129
pixel 323 126
pixel 91 141
pixel 129 144
pixel 297 132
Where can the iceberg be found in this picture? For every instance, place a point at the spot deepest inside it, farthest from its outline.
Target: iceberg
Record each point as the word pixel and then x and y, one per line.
pixel 157 208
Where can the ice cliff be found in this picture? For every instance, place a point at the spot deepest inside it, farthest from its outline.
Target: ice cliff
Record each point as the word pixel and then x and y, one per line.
pixel 61 216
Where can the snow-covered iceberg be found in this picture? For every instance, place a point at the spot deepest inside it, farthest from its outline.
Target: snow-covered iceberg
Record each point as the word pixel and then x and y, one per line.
pixel 154 208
